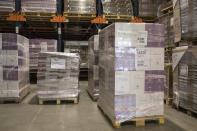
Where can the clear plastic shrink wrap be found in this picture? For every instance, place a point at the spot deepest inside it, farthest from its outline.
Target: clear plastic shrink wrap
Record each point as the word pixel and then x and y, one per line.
pixel 80 6
pixel 40 45
pixel 58 75
pixel 93 58
pixel 117 7
pixel 14 65
pixel 148 8
pixel 7 5
pixel 131 70
pixel 187 85
pixel 44 6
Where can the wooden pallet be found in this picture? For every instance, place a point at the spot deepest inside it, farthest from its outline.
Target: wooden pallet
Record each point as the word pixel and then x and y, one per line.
pixel 91 95
pixel 58 101
pixel 141 121
pixel 18 100
pixel 188 111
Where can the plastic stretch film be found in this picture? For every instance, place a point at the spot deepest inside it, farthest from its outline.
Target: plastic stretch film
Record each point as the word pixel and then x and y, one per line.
pixel 58 75
pixel 93 58
pixel 80 6
pixel 40 45
pixel 117 7
pixel 14 65
pixel 131 70
pixel 44 6
pixel 7 5
pixel 148 8
pixel 185 26
pixel 187 85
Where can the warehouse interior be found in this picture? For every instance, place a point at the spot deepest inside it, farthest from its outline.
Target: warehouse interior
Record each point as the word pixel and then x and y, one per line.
pixel 98 65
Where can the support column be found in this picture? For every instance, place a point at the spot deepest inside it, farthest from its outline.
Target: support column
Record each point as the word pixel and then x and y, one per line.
pixel 60 46
pixel 135 4
pixel 17 10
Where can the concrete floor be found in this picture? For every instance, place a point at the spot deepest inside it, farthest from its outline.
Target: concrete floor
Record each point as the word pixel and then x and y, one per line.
pixel 85 116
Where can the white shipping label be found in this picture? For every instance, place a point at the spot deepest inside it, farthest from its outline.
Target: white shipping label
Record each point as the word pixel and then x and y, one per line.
pixel 96 42
pixel 184 70
pixel 131 82
pixel 43 46
pixel 142 59
pixel 57 63
pixel 156 59
pixel 142 38
pixel 172 21
pixel 123 82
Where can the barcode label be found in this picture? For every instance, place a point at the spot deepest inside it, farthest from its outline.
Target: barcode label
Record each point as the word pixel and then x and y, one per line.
pixel 142 37
pixel 142 58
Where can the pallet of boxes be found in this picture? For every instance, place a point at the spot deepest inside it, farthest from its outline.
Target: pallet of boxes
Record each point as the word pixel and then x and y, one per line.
pixel 184 56
pixel 35 47
pixel 14 67
pixel 131 73
pixel 93 72
pixel 58 77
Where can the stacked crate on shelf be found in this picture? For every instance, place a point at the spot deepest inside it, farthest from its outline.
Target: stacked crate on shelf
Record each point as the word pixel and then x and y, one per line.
pixel 131 72
pixel 117 7
pixel 38 10
pixel 58 77
pixel 7 5
pixel 148 8
pixel 80 7
pixel 14 67
pixel 93 73
pixel 47 6
pixel 185 25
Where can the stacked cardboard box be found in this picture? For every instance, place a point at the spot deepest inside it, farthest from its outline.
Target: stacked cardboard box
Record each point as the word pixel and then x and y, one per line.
pixel 117 7
pixel 7 5
pixel 40 45
pixel 14 65
pixel 58 75
pixel 93 58
pixel 80 6
pixel 46 6
pixel 148 8
pixel 167 20
pixel 131 70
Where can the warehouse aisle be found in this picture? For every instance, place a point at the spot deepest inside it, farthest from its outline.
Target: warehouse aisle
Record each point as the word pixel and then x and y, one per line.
pixel 84 116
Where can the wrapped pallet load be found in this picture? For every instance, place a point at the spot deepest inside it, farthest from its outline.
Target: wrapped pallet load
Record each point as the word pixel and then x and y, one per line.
pixel 14 67
pixel 7 5
pixel 185 85
pixel 80 6
pixel 93 73
pixel 58 76
pixel 40 45
pixel 148 8
pixel 117 7
pixel 43 6
pixel 131 71
pixel 185 25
